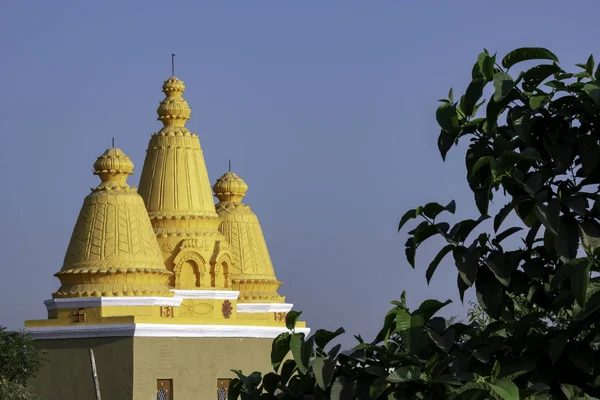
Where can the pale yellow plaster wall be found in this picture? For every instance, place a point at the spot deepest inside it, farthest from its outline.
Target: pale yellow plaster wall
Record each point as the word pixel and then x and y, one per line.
pixel 194 364
pixel 66 373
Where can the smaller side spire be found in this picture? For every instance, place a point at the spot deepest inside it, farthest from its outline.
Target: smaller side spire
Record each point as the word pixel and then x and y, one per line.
pixel 113 250
pixel 230 187
pixel 113 167
pixel 252 273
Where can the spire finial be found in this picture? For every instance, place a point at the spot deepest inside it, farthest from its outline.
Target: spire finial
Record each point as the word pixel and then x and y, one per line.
pixel 229 165
pixel 172 64
pixel 113 142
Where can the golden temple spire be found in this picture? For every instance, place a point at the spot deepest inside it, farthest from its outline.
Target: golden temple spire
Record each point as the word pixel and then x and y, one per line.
pixel 230 187
pixel 252 273
pixel 174 181
pixel 177 193
pixel 113 250
pixel 173 110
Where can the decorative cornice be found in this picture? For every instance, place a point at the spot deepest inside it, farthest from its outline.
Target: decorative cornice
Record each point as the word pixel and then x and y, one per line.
pixel 158 330
pixel 263 307
pixel 85 302
pixel 206 294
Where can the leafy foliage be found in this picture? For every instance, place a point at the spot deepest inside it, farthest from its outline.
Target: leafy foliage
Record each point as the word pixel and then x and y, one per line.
pixel 19 362
pixel 535 151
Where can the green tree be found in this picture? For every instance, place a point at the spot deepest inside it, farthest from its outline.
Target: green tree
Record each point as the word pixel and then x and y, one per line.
pixel 533 149
pixel 19 362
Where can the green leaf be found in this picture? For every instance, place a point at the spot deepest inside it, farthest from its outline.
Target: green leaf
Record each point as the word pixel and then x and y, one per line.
pixel 436 261
pixel 430 307
pixel 536 75
pixel 405 374
pixel 549 215
pixel 291 318
pixel 410 251
pixel 377 388
pixel 323 369
pixel 462 287
pixel 445 142
pixel 501 216
pixel 557 345
pixel 432 210
pixel 287 370
pixel 410 214
pixel 590 235
pixel 527 53
pixel 463 229
pixel 233 391
pixel 486 65
pixel 597 74
pixel 482 199
pixel 489 293
pixel 536 102
pixel 297 348
pixel 445 341
pixel 472 96
pixel 496 369
pixel 471 391
pixel 482 162
pixel 530 153
pixel 578 204
pixel 506 389
pixel 447 117
pixel 451 207
pixel 566 242
pixel 593 91
pixel 323 336
pixel 342 389
pixel 279 349
pixel 588 150
pixel 589 66
pixel 410 328
pixel 467 263
pixel 510 231
pixel 579 276
pixel 503 84
pixel 499 266
pixel 573 392
pixel 270 382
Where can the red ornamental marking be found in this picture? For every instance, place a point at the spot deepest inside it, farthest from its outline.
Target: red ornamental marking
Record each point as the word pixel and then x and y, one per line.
pixel 226 308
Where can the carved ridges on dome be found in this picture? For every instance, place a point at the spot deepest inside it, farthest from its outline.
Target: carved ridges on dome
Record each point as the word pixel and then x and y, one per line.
pixel 230 187
pixel 113 245
pixel 253 269
pixel 174 182
pixel 113 167
pixel 113 160
pixel 173 110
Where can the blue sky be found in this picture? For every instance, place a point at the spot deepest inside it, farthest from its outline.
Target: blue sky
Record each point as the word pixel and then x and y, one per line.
pixel 326 109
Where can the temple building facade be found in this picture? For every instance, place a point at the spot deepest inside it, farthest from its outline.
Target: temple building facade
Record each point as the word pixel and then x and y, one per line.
pixel 168 290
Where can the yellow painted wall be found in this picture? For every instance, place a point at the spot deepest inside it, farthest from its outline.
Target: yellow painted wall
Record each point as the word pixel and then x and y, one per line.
pixel 128 368
pixel 194 364
pixel 66 373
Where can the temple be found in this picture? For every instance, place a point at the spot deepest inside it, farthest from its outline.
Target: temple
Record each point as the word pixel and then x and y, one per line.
pixel 169 290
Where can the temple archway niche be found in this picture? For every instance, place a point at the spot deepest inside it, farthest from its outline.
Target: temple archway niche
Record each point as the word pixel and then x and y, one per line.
pixel 220 275
pixel 189 277
pixel 189 271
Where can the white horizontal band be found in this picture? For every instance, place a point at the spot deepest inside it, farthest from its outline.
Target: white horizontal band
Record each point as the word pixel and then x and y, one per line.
pixel 207 294
pixel 158 330
pixel 85 302
pixel 263 307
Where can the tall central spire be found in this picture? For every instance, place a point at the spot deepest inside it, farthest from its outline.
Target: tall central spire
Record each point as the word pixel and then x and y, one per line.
pixel 177 193
pixel 174 181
